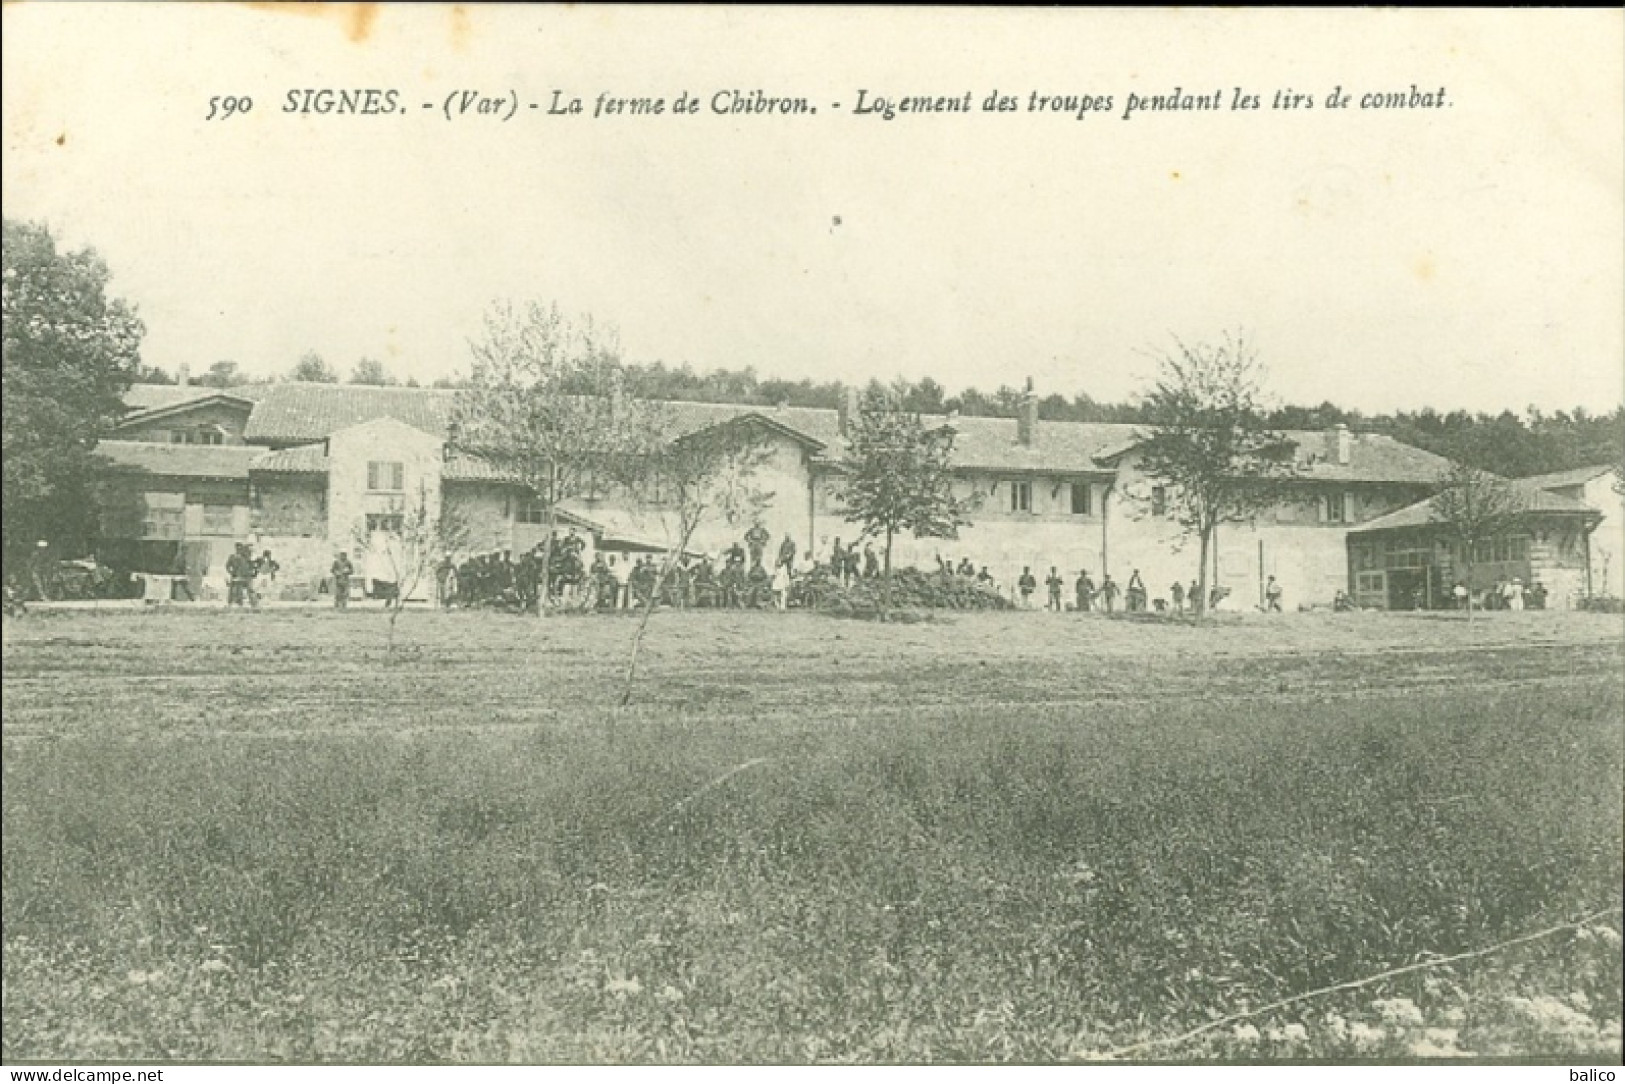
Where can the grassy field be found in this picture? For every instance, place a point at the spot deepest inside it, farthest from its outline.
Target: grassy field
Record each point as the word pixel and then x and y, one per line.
pixel 1000 837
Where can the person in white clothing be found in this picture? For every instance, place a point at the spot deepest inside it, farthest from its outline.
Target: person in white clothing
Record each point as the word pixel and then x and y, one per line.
pixel 781 587
pixel 1513 593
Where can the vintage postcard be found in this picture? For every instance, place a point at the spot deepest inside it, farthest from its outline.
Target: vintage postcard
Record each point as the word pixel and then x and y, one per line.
pixel 565 535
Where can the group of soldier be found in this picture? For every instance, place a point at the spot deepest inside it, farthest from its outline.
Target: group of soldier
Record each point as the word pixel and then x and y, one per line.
pixel 745 575
pixel 245 573
pixel 1088 597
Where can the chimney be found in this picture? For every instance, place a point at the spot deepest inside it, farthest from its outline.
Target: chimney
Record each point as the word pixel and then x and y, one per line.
pixel 1027 417
pixel 848 409
pixel 183 375
pixel 1339 443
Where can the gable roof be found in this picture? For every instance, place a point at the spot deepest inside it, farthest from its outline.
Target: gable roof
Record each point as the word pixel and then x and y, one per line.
pixel 153 396
pixel 180 460
pixel 1373 457
pixel 1536 501
pixel 296 412
pixel 1577 476
pixel 184 406
pixel 313 459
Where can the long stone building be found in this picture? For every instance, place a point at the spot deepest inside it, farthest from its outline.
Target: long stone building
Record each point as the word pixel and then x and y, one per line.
pixel 307 469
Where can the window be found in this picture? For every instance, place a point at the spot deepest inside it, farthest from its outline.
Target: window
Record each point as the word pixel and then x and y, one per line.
pixel 390 522
pixel 1021 496
pixel 219 519
pixel 390 477
pixel 205 435
pixel 163 523
pixel 1336 508
pixel 1368 583
pixel 530 510
pixel 1081 494
pixel 1159 500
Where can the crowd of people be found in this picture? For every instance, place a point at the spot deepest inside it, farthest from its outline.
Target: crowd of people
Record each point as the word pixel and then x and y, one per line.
pixel 746 575
pixel 1108 596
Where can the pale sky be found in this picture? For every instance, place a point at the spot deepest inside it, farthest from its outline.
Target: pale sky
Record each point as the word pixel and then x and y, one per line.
pixel 1471 256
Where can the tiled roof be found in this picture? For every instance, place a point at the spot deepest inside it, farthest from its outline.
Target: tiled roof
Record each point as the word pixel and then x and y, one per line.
pixel 312 459
pixel 155 396
pixel 467 468
pixel 1536 501
pixel 1373 457
pixel 181 460
pixel 298 412
pixel 990 444
pixel 304 459
pixel 1579 476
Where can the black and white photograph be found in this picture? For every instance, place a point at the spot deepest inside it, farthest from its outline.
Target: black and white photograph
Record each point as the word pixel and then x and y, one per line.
pixel 594 536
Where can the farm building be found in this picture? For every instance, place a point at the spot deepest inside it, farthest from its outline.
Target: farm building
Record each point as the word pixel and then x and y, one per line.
pixel 1598 487
pixel 1405 561
pixel 308 469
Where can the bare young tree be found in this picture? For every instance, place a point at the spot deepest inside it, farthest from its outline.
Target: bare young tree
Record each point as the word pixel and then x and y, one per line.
pixel 1211 451
pixel 411 539
pixel 899 477
pixel 694 479
pixel 1473 507
pixel 547 404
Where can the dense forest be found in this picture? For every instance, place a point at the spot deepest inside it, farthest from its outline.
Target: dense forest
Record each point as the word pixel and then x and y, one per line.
pixel 1509 444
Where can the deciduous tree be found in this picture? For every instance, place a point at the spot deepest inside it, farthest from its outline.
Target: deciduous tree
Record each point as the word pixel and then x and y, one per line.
pixel 70 354
pixel 313 369
pixel 899 476
pixel 1473 507
pixel 694 479
pixel 546 403
pixel 1211 451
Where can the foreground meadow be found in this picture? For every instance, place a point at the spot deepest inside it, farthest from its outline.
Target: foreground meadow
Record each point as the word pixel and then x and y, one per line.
pixel 997 837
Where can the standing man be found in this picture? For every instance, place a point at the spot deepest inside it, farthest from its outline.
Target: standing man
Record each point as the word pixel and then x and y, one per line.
pixel 756 539
pixel 787 553
pixel 1193 595
pixel 1272 596
pixel 234 576
pixel 1136 592
pixel 1108 592
pixel 342 571
pixel 1086 592
pixel 1054 583
pixel 1027 585
pixel 1177 591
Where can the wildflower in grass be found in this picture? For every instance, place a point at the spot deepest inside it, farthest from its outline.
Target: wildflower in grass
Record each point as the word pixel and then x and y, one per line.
pixel 1245 1033
pixel 1551 1015
pixel 1365 1036
pixel 623 987
pixel 1295 1033
pixel 142 978
pixel 1336 1026
pixel 1401 1011
pixel 669 993
pixel 213 967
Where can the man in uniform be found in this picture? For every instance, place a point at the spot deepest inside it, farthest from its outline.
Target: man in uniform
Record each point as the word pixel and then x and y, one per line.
pixel 1178 593
pixel 757 539
pixel 1027 585
pixel 1054 583
pixel 342 571
pixel 787 553
pixel 1086 592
